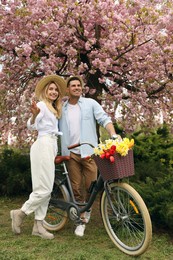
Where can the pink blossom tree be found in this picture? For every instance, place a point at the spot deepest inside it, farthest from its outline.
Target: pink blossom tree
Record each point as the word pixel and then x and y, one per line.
pixel 122 49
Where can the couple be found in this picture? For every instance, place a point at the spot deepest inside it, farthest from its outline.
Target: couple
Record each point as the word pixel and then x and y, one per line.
pixel 76 119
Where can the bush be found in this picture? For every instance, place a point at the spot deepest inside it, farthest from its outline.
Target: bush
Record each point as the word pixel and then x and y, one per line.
pixel 153 179
pixel 14 172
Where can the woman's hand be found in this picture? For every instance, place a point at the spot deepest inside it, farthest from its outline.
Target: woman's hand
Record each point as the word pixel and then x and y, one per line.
pixel 35 111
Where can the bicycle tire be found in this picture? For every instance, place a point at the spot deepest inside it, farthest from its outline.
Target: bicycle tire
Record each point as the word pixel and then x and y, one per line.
pixel 132 231
pixel 57 218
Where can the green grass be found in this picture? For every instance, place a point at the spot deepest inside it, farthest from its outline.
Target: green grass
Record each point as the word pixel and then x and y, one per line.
pixel 66 246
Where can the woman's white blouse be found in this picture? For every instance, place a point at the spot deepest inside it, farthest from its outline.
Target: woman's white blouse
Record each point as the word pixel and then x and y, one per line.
pixel 45 122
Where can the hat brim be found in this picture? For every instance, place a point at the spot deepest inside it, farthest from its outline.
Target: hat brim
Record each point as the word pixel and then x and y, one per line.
pixel 45 80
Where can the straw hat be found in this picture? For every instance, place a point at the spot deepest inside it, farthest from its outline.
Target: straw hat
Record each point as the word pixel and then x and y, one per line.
pixel 50 78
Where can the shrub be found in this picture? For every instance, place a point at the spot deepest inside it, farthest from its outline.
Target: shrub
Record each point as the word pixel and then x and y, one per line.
pixel 14 172
pixel 153 179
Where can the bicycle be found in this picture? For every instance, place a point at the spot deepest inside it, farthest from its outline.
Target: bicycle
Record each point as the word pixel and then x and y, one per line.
pixel 124 213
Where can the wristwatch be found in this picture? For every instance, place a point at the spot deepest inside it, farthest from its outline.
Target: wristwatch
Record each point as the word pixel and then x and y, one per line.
pixel 115 136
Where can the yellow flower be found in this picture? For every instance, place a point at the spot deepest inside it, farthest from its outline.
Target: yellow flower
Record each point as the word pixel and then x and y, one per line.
pixel 108 144
pixel 122 147
pixel 130 143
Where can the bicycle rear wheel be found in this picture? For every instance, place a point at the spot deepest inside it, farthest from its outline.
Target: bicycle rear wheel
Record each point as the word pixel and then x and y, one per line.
pixel 130 229
pixel 56 218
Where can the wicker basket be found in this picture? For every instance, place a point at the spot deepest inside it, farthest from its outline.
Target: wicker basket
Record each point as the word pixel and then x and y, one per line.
pixel 122 167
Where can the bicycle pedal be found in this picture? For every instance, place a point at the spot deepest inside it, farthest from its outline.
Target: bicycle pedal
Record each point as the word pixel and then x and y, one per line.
pixel 73 213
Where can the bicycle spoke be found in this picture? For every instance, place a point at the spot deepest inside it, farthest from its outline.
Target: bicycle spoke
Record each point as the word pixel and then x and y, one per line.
pixel 125 217
pixel 56 218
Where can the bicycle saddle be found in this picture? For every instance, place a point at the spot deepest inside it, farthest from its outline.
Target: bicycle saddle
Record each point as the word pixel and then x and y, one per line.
pixel 60 158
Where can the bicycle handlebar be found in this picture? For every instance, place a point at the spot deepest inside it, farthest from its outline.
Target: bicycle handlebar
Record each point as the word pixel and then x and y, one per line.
pixel 79 144
pixel 73 146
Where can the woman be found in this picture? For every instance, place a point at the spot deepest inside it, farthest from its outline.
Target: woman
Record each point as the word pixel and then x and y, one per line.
pixel 45 115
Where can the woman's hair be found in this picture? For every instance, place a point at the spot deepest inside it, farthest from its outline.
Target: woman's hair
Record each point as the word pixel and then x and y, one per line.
pixel 56 106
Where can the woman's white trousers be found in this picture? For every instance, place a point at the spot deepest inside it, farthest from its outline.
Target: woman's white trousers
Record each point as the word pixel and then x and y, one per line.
pixel 42 155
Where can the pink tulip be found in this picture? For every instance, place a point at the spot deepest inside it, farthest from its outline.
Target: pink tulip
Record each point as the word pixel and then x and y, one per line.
pixel 112 159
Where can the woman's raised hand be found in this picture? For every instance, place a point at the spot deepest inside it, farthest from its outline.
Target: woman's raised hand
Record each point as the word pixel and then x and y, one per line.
pixel 34 109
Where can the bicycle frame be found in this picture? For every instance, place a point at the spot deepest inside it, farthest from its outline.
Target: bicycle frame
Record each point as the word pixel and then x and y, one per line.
pixel 72 207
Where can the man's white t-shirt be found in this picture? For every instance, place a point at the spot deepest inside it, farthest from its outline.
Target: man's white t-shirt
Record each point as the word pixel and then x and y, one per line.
pixel 74 125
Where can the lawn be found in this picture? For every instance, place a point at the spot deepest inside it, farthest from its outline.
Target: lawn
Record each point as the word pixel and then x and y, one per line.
pixel 66 246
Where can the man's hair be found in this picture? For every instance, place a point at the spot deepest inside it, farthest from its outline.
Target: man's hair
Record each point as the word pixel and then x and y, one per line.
pixel 75 78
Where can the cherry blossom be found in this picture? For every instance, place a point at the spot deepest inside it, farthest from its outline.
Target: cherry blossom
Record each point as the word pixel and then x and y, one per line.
pixel 122 49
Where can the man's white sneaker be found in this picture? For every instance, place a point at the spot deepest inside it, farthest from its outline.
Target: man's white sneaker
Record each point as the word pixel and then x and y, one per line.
pixel 87 216
pixel 79 231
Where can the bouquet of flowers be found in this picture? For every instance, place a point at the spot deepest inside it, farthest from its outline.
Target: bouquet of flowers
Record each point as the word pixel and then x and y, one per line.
pixel 107 149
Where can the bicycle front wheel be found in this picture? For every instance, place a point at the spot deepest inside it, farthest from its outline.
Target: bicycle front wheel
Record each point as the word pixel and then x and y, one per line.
pixel 126 219
pixel 56 218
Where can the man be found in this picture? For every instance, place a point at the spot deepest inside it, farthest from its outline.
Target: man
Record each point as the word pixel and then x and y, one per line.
pixel 78 124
